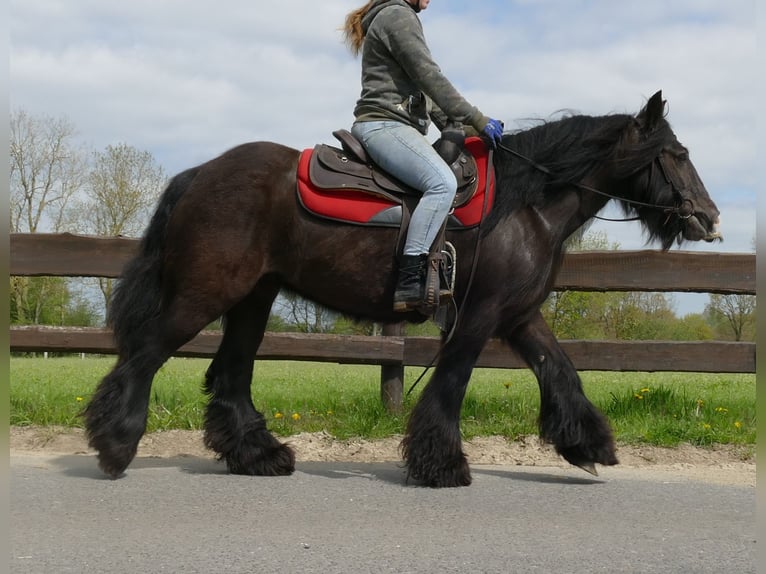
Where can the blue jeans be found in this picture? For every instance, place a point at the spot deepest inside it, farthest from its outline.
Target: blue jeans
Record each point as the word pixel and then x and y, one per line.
pixel 406 154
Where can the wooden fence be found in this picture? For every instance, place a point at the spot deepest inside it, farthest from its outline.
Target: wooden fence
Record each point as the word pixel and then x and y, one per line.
pixel 725 273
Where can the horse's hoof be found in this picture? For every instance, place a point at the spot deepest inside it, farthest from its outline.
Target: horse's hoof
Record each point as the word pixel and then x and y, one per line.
pixel 586 459
pixel 113 462
pixel 450 480
pixel 272 461
pixel 442 480
pixel 588 467
pixel 448 476
pixel 114 455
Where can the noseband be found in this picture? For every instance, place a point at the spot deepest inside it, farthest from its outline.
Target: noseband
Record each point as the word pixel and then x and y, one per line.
pixel 684 209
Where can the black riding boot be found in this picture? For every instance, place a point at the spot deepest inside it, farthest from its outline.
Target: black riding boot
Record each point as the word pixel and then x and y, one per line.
pixel 410 287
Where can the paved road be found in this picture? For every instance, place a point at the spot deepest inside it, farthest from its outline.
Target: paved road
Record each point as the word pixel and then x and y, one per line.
pixel 187 515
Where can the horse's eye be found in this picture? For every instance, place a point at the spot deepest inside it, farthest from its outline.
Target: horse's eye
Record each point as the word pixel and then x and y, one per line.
pixel 682 154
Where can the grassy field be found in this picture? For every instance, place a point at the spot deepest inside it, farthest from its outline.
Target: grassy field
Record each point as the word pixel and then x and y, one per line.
pixel 344 400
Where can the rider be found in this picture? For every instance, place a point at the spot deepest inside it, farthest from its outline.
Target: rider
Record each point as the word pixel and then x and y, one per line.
pixel 403 90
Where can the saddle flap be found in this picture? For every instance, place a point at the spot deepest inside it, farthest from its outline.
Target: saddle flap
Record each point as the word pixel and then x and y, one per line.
pixel 337 161
pixel 333 168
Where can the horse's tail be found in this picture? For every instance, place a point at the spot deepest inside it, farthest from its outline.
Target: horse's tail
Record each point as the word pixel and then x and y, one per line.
pixel 137 296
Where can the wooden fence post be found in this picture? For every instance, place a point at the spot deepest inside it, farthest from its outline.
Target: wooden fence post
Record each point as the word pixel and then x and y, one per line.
pixel 392 375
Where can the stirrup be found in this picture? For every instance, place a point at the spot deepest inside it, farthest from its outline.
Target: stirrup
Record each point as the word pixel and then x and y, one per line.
pixel 447 273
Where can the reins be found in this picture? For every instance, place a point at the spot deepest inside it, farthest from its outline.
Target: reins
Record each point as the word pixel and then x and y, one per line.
pixel 677 210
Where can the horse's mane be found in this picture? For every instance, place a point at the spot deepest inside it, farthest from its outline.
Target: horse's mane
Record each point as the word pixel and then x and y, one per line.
pixel 570 148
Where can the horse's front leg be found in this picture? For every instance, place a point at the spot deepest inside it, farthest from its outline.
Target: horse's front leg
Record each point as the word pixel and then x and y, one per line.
pixel 568 420
pixel 234 429
pixel 432 446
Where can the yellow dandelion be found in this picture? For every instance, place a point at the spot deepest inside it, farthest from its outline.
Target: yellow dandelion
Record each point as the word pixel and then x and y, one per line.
pixel 646 390
pixel 706 426
pixel 296 417
pixel 737 424
pixel 721 410
pixel 79 399
pixel 278 415
pixel 639 397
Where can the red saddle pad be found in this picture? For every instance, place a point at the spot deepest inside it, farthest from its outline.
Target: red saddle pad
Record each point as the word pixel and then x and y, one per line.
pixel 361 208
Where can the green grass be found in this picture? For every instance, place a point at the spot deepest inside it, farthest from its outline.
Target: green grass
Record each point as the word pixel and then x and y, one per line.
pixel 663 409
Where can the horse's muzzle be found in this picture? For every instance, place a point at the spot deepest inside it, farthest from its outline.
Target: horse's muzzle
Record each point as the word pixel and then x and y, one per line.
pixel 696 230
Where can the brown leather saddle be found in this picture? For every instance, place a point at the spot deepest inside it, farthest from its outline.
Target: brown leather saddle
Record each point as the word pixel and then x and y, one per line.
pixel 349 167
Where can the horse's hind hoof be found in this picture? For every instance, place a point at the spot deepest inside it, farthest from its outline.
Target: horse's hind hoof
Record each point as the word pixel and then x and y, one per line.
pixel 450 476
pixel 276 460
pixel 444 479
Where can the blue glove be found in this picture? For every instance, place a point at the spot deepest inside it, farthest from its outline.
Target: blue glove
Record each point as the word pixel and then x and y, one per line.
pixel 493 131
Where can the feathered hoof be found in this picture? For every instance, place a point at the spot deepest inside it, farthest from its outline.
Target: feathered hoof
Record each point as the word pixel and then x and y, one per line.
pixel 450 475
pixel 272 460
pixel 113 458
pixel 116 442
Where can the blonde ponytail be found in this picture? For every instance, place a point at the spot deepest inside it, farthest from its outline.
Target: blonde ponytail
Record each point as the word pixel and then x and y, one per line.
pixel 353 34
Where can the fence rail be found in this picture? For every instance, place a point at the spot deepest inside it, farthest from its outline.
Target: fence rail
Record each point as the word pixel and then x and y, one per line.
pixel 696 356
pixel 70 255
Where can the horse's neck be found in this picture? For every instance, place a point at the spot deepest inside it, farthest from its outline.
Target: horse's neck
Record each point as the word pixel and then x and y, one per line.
pixel 574 210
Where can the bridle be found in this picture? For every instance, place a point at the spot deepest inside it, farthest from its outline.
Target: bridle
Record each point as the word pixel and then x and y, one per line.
pixel 684 207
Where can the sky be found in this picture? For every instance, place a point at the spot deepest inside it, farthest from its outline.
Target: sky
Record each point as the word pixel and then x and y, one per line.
pixel 187 80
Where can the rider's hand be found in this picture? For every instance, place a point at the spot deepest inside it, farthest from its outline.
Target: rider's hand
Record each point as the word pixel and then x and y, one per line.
pixel 493 131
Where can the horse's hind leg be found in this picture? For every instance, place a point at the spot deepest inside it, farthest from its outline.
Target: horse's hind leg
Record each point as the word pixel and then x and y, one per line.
pixel 568 420
pixel 116 416
pixel 233 427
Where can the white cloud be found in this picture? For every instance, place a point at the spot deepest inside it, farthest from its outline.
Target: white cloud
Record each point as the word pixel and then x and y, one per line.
pixel 188 79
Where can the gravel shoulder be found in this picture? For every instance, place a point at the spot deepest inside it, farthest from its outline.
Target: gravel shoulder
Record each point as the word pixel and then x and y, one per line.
pixel 722 464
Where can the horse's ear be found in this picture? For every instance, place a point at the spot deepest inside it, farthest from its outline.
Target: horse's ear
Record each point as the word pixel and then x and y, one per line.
pixel 652 114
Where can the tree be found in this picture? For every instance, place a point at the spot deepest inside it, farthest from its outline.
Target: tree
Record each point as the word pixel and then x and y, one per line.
pixel 60 306
pixel 733 316
pixel 46 170
pixel 577 314
pixel 612 315
pixel 637 316
pixel 344 325
pixel 691 327
pixel 121 189
pixel 305 315
pixel 574 314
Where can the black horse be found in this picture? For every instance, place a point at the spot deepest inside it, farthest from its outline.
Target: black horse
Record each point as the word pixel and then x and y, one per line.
pixel 228 234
